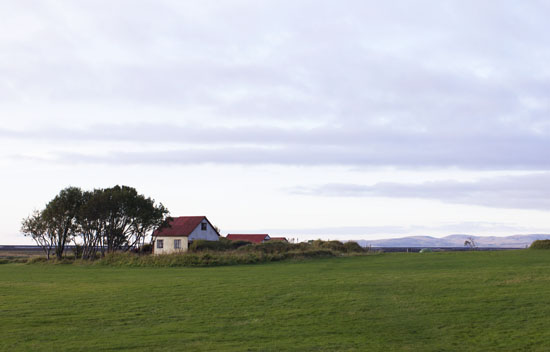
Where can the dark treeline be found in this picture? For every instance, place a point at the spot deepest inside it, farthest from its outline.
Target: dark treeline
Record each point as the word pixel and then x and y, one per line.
pixel 104 220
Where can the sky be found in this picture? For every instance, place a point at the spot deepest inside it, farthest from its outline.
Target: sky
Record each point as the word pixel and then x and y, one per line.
pixel 306 119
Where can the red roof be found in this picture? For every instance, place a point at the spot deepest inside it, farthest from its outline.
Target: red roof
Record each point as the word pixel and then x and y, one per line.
pixel 279 239
pixel 181 226
pixel 256 238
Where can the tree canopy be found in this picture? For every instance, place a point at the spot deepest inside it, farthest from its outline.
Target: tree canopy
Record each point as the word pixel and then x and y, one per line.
pixel 104 220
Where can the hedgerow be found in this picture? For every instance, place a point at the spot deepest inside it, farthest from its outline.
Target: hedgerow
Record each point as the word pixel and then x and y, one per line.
pixel 223 252
pixel 540 244
pixel 209 258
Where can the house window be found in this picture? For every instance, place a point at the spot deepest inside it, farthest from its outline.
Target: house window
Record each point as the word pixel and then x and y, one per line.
pixel 160 244
pixel 177 244
pixel 203 226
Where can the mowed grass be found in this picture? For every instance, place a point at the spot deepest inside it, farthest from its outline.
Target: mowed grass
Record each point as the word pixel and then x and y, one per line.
pixel 466 301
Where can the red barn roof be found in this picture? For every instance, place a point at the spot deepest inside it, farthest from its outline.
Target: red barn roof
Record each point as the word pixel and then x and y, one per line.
pixel 181 226
pixel 254 238
pixel 279 239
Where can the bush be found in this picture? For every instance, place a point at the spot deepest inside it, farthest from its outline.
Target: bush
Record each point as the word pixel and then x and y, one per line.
pixel 237 244
pixel 147 248
pixel 34 260
pixel 223 244
pixel 353 247
pixel 332 245
pixel 540 244
pixel 269 247
pixel 77 251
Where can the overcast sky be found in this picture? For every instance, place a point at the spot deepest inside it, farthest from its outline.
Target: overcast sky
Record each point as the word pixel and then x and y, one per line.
pixel 341 120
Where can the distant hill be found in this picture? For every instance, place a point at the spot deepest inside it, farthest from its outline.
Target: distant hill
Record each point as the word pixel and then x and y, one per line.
pixel 516 241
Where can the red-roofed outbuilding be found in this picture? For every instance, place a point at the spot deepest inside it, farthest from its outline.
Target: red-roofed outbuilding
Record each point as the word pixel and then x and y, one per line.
pixel 254 238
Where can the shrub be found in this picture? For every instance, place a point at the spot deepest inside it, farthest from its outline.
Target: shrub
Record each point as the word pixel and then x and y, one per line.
pixel 77 251
pixel 332 245
pixel 540 244
pixel 238 244
pixel 353 247
pixel 34 260
pixel 203 245
pixel 223 244
pixel 269 247
pixel 147 248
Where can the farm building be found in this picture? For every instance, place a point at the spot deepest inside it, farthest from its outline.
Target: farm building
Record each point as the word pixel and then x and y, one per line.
pixel 281 239
pixel 181 231
pixel 254 238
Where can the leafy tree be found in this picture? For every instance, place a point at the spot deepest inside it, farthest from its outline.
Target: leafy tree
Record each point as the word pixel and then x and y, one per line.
pixel 92 223
pixel 60 217
pixel 35 227
pixel 118 218
pixel 128 217
pixel 108 220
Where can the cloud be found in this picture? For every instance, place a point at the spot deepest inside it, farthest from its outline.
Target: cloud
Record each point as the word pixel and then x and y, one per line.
pixel 518 192
pixel 453 84
pixel 362 146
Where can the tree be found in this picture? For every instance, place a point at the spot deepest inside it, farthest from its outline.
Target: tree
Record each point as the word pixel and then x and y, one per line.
pixel 471 243
pixel 92 223
pixel 108 220
pixel 60 217
pixel 35 227
pixel 118 218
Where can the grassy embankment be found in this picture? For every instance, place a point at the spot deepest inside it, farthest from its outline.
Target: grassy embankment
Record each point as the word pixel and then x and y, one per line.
pixel 208 253
pixel 467 301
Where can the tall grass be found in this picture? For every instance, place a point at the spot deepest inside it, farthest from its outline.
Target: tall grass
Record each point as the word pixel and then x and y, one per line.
pixel 207 258
pixel 226 252
pixel 218 253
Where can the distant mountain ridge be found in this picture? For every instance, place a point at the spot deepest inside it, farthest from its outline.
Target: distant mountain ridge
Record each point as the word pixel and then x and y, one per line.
pixel 516 241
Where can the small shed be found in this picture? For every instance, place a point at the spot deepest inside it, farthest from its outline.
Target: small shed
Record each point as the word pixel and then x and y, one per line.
pixel 254 238
pixel 181 231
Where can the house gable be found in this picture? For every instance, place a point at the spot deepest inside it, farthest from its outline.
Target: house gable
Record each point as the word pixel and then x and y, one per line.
pixel 189 226
pixel 204 231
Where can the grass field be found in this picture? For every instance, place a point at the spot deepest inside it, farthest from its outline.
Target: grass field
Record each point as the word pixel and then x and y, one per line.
pixel 467 301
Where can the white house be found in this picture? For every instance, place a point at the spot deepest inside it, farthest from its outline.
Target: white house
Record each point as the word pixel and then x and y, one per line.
pixel 181 231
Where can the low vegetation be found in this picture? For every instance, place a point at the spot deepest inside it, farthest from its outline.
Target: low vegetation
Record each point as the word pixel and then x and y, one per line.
pixel 446 301
pixel 209 258
pixel 211 253
pixel 540 244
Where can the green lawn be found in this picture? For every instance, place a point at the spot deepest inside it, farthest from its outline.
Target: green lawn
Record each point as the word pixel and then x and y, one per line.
pixel 465 301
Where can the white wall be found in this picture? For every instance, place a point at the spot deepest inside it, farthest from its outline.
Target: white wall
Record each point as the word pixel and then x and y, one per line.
pixel 168 245
pixel 209 234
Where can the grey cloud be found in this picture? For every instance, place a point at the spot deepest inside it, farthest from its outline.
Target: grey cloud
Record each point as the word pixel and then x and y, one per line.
pixel 354 62
pixel 457 83
pixel 522 192
pixel 369 147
